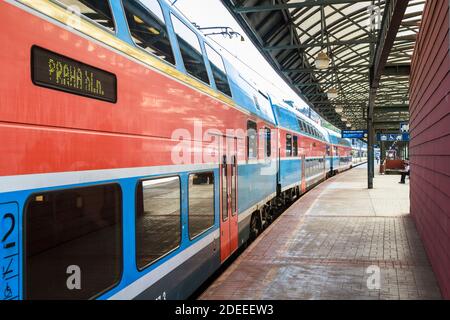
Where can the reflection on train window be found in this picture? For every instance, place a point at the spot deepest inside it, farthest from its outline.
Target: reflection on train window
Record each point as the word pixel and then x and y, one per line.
pixel 148 28
pixel 190 50
pixel 201 203
pixel 158 219
pixel 288 145
pixel 252 140
pixel 268 144
pixel 73 232
pixel 95 10
pixel 256 101
pixel 218 70
pixel 295 146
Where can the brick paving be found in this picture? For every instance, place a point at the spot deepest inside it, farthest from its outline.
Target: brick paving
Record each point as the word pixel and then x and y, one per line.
pixel 332 244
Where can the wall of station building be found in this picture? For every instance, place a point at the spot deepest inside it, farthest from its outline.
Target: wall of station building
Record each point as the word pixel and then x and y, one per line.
pixel 430 138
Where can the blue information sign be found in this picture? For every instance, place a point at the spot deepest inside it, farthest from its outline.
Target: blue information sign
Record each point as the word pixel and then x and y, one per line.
pixel 393 137
pixel 354 134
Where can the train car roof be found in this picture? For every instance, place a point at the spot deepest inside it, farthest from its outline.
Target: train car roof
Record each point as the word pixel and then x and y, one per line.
pixel 246 93
pixel 290 118
pixel 336 139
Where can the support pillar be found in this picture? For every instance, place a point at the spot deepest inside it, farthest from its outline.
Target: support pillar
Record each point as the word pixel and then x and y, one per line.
pixel 370 139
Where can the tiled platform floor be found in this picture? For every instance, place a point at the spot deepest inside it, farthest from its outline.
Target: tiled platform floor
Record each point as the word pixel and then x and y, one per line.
pixel 330 244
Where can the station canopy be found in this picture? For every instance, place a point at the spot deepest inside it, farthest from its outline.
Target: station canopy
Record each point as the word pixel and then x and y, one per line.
pixel 368 44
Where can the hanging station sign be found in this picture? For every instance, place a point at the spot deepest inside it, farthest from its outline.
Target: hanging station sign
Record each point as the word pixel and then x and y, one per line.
pixel 393 137
pixel 354 134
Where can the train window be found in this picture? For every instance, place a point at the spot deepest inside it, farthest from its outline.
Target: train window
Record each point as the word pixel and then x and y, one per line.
pixel 255 99
pixel 73 242
pixel 300 124
pixel 201 203
pixel 252 141
pixel 190 50
pixel 304 127
pixel 328 150
pixel 158 219
pixel 95 10
pixel 224 183
pixel 288 145
pixel 295 146
pixel 268 144
pixel 218 70
pixel 148 28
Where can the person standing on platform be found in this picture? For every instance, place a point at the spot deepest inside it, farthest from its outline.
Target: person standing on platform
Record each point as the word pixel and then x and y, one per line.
pixel 405 172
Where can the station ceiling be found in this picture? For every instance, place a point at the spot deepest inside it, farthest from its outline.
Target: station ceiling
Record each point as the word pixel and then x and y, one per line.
pixel 290 34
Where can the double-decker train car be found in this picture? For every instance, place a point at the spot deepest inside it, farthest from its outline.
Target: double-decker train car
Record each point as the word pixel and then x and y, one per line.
pixel 135 158
pixel 303 149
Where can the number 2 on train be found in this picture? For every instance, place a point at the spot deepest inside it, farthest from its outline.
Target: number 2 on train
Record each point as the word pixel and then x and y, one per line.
pixel 8 216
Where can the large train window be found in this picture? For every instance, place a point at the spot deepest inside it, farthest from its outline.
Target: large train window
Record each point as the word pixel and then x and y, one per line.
pixel 218 70
pixel 148 28
pixel 95 10
pixel 190 50
pixel 73 242
pixel 252 141
pixel 288 145
pixel 201 203
pixel 295 146
pixel 158 219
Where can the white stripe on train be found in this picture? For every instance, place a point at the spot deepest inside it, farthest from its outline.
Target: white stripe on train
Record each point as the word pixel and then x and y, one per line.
pixel 56 179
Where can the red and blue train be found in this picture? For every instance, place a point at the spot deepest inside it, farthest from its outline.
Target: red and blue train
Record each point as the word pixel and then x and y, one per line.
pixel 135 159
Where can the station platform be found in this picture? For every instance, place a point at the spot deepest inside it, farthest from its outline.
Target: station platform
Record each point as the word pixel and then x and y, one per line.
pixel 329 244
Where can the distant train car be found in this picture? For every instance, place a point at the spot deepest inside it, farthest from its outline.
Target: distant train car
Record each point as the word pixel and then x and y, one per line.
pixel 359 152
pixel 303 149
pixel 135 158
pixel 340 153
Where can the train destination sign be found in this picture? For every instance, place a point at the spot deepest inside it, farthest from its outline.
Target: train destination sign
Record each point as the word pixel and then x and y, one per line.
pixel 54 71
pixel 354 134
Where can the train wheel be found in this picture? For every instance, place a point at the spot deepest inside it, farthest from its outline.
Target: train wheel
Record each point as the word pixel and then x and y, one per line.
pixel 255 226
pixel 267 217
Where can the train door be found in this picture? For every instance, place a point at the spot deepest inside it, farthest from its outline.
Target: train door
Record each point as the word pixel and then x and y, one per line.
pixel 228 198
pixel 324 168
pixel 303 186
